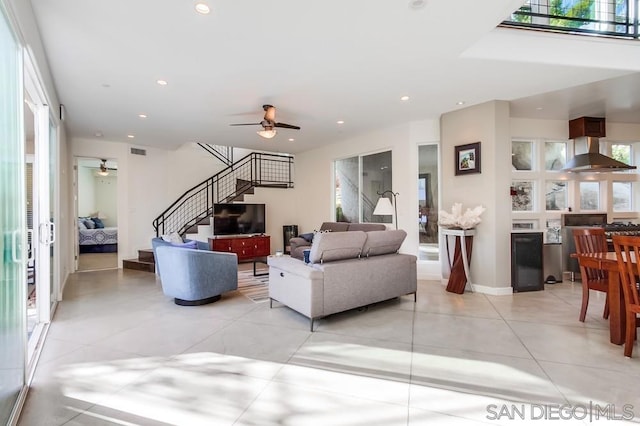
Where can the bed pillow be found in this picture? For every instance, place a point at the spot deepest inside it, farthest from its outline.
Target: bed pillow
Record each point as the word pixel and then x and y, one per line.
pixel 81 225
pixel 89 224
pixel 98 222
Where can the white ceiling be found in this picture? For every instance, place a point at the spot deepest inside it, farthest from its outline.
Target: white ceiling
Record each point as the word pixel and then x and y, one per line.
pixel 317 62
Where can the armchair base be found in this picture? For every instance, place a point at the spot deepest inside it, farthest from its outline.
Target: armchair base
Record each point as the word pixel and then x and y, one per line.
pixel 196 302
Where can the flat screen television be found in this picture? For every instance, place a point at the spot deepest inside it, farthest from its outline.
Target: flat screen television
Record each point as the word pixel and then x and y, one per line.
pixel 238 219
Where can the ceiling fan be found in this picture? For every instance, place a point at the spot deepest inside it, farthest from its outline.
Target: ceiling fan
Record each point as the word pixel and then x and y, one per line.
pixel 104 170
pixel 269 123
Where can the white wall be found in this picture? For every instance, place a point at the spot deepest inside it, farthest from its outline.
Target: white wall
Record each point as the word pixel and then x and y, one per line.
pixel 487 123
pixel 314 179
pixel 147 185
pixel 106 199
pixel 86 191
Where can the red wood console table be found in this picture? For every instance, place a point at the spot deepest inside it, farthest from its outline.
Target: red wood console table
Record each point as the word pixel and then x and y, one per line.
pixel 245 247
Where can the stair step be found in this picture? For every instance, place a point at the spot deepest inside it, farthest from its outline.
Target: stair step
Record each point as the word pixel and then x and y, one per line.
pixel 138 265
pixel 146 255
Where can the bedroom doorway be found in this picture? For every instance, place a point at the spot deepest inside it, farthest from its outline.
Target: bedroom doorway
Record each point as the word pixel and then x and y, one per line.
pixel 97 214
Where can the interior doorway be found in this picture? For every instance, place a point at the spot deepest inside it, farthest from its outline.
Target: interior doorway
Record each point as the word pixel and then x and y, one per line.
pixel 428 205
pixel 97 214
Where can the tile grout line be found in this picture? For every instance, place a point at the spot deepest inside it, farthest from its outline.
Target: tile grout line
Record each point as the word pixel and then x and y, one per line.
pixel 560 392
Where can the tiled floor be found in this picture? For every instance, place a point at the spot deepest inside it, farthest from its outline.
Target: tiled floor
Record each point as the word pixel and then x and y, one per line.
pixel 121 353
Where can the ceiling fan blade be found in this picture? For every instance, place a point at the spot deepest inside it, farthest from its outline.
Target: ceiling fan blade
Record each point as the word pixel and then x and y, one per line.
pixel 245 124
pixel 270 112
pixel 286 126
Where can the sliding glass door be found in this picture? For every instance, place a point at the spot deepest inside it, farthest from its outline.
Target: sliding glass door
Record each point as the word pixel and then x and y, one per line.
pixel 12 224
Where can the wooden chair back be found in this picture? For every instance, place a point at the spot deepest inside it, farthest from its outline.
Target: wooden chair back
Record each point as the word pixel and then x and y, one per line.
pixel 628 247
pixel 628 255
pixel 591 240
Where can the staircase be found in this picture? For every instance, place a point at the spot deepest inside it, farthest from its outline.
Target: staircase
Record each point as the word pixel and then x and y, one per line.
pixel 192 211
pixel 242 177
pixel 144 262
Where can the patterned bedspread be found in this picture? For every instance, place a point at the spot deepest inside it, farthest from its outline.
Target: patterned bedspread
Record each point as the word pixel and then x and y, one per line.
pixel 92 237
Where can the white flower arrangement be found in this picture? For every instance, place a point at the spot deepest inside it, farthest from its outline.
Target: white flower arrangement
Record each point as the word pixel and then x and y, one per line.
pixel 458 220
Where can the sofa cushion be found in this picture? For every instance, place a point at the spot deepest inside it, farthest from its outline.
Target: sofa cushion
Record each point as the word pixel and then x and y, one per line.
pixel 383 242
pixel 330 246
pixel 334 226
pixel 366 227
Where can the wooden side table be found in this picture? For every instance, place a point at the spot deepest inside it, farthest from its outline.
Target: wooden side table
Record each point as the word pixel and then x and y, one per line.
pixel 460 273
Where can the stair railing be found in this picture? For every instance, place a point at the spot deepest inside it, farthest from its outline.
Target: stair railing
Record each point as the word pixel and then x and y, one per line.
pixel 255 170
pixel 222 153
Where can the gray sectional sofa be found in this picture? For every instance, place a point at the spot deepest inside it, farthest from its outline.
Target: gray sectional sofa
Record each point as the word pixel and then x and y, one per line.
pixel 347 270
pixel 299 244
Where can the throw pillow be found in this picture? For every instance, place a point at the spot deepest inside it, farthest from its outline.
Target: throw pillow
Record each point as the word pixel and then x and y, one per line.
pixel 174 237
pixel 189 245
pixel 81 224
pixel 308 237
pixel 89 224
pixel 98 222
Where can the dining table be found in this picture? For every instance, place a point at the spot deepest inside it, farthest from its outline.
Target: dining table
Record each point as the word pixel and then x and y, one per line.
pixel 608 261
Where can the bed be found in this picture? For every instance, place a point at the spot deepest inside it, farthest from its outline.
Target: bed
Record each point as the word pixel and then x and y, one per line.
pixel 98 240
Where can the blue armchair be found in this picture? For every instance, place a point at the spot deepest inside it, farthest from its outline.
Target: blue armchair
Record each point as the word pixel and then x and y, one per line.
pixel 158 242
pixel 195 277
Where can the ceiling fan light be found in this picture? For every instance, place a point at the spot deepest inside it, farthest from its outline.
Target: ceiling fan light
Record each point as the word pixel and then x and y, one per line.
pixel 267 134
pixel 103 173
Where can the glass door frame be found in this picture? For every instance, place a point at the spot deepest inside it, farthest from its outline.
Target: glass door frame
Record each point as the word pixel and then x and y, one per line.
pixel 42 228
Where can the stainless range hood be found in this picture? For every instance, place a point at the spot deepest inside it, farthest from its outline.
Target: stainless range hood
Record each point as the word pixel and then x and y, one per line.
pixel 585 132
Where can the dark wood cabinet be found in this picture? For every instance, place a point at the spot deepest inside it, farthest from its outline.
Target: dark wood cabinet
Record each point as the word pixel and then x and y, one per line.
pixel 587 126
pixel 246 248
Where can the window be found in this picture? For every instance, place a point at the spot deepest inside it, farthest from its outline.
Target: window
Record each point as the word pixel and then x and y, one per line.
pixel 358 181
pixel 521 155
pixel 621 152
pixel 555 155
pixel 556 195
pixel 589 195
pixel 522 196
pixel 622 196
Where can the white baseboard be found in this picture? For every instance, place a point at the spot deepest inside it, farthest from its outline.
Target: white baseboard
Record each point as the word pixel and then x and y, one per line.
pixel 477 288
pixel 494 291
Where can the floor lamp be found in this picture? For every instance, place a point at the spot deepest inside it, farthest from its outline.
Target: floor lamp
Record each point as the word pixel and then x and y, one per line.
pixel 384 208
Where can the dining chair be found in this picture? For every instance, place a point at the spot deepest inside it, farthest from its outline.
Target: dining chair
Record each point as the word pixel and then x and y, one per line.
pixel 592 240
pixel 628 247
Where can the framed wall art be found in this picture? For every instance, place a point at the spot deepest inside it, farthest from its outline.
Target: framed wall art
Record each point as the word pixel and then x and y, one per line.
pixel 468 158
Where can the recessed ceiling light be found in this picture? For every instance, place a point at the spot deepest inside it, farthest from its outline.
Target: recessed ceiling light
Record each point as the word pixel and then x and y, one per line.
pixel 142 115
pixel 130 136
pixel 340 121
pixel 404 98
pixel 539 108
pixel 202 8
pixel 291 139
pixel 98 134
pixel 460 103
pixel 162 82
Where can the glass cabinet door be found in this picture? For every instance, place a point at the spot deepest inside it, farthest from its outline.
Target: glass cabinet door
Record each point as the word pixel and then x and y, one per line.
pixel 12 224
